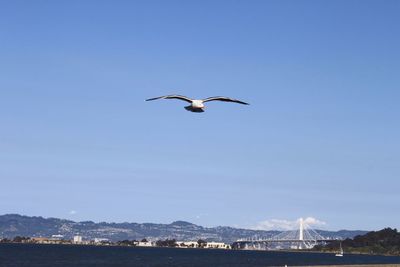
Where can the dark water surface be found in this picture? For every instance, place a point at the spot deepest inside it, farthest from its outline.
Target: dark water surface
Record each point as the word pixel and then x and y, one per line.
pixel 74 255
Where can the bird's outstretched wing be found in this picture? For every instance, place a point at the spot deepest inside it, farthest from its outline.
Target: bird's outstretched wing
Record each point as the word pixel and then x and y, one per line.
pixel 225 99
pixel 180 97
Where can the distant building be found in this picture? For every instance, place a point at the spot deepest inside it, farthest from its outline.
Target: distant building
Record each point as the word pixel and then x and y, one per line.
pixel 195 244
pixel 57 237
pixel 45 240
pixel 145 244
pixel 187 244
pixel 77 239
pixel 100 240
pixel 40 240
pixel 217 245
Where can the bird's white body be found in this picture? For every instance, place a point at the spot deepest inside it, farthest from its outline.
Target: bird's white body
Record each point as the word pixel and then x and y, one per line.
pixel 197 105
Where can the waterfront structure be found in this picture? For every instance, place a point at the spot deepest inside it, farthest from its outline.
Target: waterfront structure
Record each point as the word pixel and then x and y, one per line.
pixel 40 240
pixel 220 245
pixel 100 240
pixel 45 240
pixel 57 237
pixel 77 239
pixel 195 244
pixel 187 244
pixel 145 244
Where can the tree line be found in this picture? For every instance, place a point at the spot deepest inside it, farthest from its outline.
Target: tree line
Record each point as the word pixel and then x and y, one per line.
pixel 385 241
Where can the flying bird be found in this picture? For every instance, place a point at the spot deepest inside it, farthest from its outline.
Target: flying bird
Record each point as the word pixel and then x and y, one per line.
pixel 197 105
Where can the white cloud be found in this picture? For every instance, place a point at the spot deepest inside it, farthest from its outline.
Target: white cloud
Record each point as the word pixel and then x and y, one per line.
pixel 314 222
pixel 286 225
pixel 72 212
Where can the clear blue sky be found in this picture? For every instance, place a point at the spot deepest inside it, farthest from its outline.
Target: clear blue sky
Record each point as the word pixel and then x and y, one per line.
pixel 320 138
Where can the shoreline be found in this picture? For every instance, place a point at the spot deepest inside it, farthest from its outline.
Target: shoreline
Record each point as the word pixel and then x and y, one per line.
pixel 217 249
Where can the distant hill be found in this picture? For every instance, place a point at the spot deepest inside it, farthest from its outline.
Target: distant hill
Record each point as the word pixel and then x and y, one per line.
pixel 385 241
pixel 12 225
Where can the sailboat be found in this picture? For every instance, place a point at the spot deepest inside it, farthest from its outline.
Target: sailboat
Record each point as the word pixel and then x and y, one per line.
pixel 340 254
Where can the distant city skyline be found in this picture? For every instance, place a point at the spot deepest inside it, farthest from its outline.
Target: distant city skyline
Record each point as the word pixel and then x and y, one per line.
pixel 320 138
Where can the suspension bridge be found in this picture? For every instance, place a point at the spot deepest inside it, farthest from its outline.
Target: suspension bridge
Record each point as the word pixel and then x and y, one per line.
pixel 304 237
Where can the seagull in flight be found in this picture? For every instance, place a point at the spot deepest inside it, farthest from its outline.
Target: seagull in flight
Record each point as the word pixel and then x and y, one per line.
pixel 197 105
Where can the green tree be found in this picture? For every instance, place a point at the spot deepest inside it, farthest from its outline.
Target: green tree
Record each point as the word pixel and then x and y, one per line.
pixel 202 243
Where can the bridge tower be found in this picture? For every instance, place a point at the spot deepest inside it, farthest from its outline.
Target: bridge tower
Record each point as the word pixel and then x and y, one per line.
pixel 301 232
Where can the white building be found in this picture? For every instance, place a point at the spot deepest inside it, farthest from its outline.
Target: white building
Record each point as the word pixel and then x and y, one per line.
pixel 195 244
pixel 217 245
pixel 77 239
pixel 57 237
pixel 187 244
pixel 100 240
pixel 145 244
